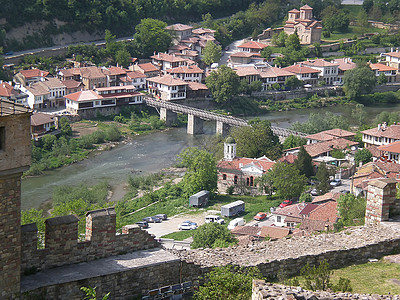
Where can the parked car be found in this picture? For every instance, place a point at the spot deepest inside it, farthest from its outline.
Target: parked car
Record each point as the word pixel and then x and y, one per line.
pixel 162 216
pixel 227 48
pixel 285 203
pixel 143 224
pixel 236 222
pixel 260 216
pixel 315 192
pixel 336 182
pixel 187 225
pixel 152 219
pixel 214 219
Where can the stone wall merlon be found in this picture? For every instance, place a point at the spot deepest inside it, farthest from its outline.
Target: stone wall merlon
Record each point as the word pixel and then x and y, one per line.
pixel 62 220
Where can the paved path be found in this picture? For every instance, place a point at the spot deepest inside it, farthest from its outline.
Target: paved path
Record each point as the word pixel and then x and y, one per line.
pixel 232 49
pixel 100 267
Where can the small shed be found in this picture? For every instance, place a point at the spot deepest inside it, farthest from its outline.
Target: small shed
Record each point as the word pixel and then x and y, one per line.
pixel 232 209
pixel 199 199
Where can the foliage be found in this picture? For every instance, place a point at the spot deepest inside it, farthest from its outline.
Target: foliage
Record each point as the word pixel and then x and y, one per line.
pixel 287 180
pixel 293 41
pixel 317 278
pixel 122 57
pixel 226 282
pixel 212 235
pixel 35 216
pixel 91 293
pixel 293 82
pixel 151 36
pixel 334 19
pixel 144 182
pixel 387 117
pixel 319 122
pixel 223 84
pixel 211 53
pixel 363 155
pixel 201 171
pixel 293 141
pixel 323 178
pixel 65 126
pixel 304 163
pixel 382 79
pixel 359 114
pixel 256 140
pixel 351 210
pixel 305 197
pixel 337 153
pixel 358 81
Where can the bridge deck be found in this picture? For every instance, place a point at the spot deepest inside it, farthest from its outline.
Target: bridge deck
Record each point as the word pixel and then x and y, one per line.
pixel 211 116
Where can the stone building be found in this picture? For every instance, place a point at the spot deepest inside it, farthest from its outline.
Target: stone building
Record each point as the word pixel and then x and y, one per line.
pixel 301 21
pixel 240 172
pixel 15 158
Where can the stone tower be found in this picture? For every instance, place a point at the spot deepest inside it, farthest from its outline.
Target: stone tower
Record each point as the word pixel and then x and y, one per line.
pixel 229 149
pixel 381 200
pixel 15 157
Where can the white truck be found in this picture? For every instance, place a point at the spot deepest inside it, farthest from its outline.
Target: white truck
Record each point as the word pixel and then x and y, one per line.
pixel 236 222
pixel 214 219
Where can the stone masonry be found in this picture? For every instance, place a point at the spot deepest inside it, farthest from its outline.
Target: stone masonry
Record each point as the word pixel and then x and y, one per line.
pixel 62 246
pixel 14 159
pixel 381 200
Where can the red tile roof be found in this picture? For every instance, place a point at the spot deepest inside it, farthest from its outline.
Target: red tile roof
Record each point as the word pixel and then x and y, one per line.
pixel 238 163
pixel 196 86
pixel 299 69
pixel 186 70
pixel 83 96
pixel 308 209
pixel 6 90
pixel 320 136
pixel 275 72
pixel 253 45
pixel 382 67
pixel 71 84
pixel 319 63
pixel 340 133
pixel 34 73
pixel 322 147
pixel 306 7
pixel 294 11
pixel 167 80
pixel 135 74
pixel 345 63
pixel 392 147
pixel 38 119
pixel 325 212
pixel 167 57
pixel 246 71
pixel 148 67
pixel 393 54
pixel 92 72
pixel 246 230
pixel 315 225
pixel 392 131
pixel 242 54
pixel 290 158
pixel 178 27
pixel 330 196
pixel 203 31
pixel 274 232
pixel 291 210
pixel 112 71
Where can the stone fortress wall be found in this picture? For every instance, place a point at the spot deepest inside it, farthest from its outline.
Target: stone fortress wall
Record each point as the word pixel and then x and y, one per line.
pixel 63 248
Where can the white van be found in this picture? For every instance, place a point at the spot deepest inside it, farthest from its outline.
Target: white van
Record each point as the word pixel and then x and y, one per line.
pixel 214 219
pixel 236 222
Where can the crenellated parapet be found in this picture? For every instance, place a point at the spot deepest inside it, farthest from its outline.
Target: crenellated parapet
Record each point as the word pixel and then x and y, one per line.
pixel 62 245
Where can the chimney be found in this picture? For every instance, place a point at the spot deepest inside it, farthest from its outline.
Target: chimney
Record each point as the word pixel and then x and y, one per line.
pixel 379 127
pixel 391 49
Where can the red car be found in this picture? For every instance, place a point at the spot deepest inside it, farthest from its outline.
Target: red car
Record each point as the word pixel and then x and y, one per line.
pixel 260 216
pixel 285 203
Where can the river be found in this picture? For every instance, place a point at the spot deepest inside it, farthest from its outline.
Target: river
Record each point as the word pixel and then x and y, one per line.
pixel 147 154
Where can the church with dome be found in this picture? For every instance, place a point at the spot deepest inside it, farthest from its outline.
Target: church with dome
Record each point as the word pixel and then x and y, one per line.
pixel 240 172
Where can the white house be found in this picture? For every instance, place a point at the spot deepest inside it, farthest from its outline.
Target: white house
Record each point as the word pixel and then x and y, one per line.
pixel 37 96
pixel 381 135
pixel 167 61
pixel 187 73
pixel 135 78
pixel 167 87
pixel 388 71
pixel 304 73
pixel 392 58
pixel 328 70
pixel 180 31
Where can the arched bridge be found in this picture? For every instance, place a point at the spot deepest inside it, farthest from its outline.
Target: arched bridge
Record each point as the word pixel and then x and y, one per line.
pixel 168 112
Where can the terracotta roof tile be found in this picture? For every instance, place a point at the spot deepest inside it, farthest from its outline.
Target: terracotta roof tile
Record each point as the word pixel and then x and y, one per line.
pixel 92 72
pixel 325 212
pixel 382 67
pixel 246 71
pixel 345 63
pixel 135 74
pixel 34 73
pixel 185 70
pixel 38 119
pixel 167 80
pixel 393 54
pixel 167 57
pixel 317 149
pixel 319 63
pixel 290 158
pixel 253 45
pixel 178 27
pixel 71 84
pixel 274 232
pixel 83 96
pixel 315 225
pixel 196 86
pixel 238 163
pixel 392 131
pixel 6 90
pixel 330 196
pixel 246 230
pixel 299 69
pixel 148 67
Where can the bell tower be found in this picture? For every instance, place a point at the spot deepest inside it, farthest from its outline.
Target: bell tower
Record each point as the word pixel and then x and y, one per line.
pixel 15 158
pixel 229 149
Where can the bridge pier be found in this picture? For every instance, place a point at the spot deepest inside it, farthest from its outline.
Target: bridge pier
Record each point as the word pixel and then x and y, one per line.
pixel 195 125
pixel 168 116
pixel 222 128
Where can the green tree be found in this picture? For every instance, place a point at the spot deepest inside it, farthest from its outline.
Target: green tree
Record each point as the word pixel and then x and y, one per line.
pixel 256 140
pixel 111 43
pixel 305 197
pixel 264 184
pixel 293 82
pixel 255 86
pixel 304 163
pixel 65 127
pixel 201 171
pixel 287 180
pixel 211 53
pixel 317 278
pixel 91 293
pixel 230 283
pixel 382 79
pixel 319 122
pixel 363 155
pixel 359 114
pixel 293 141
pixel 122 57
pixel 212 235
pixel 387 117
pixel 351 210
pixel 150 37
pixel 279 40
pixel 317 49
pixel 323 178
pixel 266 52
pixel 358 81
pixel 293 41
pixel 223 83
pixel 334 19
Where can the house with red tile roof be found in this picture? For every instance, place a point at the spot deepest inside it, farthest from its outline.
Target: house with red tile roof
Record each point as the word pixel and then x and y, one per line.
pixel 344 64
pixel 244 58
pixel 240 172
pixel 26 77
pixel 106 100
pixel 167 88
pixel 328 70
pixel 147 69
pixel 166 61
pixel 273 233
pixel 196 90
pixel 306 74
pixel 187 73
pixel 135 78
pixel 8 92
pixel 381 135
pixel 290 216
pixel 180 31
pixel 273 75
pixel 388 71
pixel 390 152
pixel 114 75
pixel 252 47
pixel 301 21
pixel 72 86
pixel 392 58
pixel 328 135
pixel 42 123
pixel 330 196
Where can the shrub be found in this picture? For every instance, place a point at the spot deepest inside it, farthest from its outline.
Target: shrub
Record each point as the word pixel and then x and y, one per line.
pixel 317 278
pixel 213 235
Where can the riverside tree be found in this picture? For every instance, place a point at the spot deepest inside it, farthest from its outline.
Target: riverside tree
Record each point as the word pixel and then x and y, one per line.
pixel 201 171
pixel 223 83
pixel 211 53
pixel 358 81
pixel 257 140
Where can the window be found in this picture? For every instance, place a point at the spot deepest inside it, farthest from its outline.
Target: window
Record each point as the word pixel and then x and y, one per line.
pixel 2 138
pixel 251 181
pixel 278 219
pixel 247 181
pixel 235 179
pixel 223 176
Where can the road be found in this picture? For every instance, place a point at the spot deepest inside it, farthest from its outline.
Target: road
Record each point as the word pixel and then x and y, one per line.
pixel 233 47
